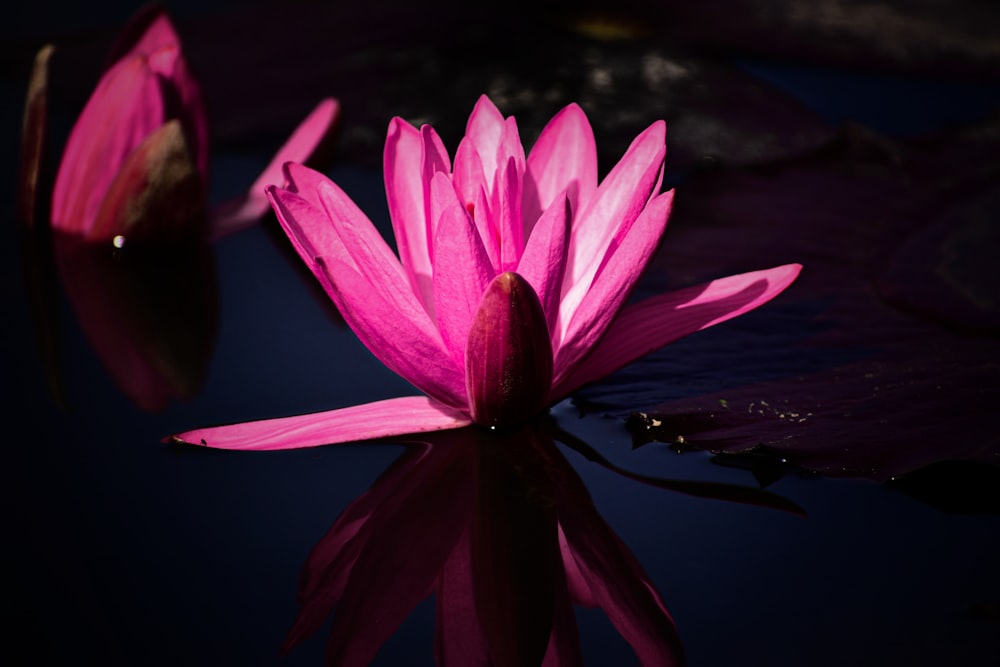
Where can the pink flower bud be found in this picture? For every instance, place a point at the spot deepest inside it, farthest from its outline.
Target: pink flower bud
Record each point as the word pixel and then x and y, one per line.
pixel 508 356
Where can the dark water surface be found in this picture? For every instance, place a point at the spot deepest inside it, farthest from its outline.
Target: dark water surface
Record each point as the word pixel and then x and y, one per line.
pixel 124 550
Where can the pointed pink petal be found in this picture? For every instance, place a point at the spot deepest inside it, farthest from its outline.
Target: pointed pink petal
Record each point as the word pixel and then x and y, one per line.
pixel 369 254
pixel 382 419
pixel 658 321
pixel 303 180
pixel 509 218
pixel 608 216
pixel 403 164
pixel 611 287
pixel 564 159
pixel 407 347
pixel 434 160
pixel 366 283
pixel 125 108
pixel 468 172
pixel 300 147
pixel 309 229
pixel 462 272
pixel 544 259
pixel 485 129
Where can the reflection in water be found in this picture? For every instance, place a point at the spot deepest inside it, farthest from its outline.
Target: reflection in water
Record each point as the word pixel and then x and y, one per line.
pixel 150 313
pixel 502 531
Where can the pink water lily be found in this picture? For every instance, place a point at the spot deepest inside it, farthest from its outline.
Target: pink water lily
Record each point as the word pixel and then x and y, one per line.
pixel 510 285
pixel 136 163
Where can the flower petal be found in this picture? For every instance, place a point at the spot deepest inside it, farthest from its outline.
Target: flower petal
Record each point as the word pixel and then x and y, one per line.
pixel 402 164
pixel 485 130
pixel 461 274
pixel 655 322
pixel 564 159
pixel 544 258
pixel 607 216
pixel 598 305
pixel 382 419
pixel 411 348
pixel 308 139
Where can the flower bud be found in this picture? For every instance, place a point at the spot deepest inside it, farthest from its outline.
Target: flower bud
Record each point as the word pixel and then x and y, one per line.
pixel 508 355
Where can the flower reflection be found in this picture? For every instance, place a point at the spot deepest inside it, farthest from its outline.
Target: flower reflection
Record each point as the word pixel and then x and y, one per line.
pixel 502 531
pixel 510 288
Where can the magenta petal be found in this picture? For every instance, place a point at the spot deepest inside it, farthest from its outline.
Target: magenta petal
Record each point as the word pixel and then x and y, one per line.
pixel 616 204
pixel 402 164
pixel 593 309
pixel 382 419
pixel 544 258
pixel 485 130
pixel 509 215
pixel 564 159
pixel 314 131
pixel 411 348
pixel 660 320
pixel 461 274
pixel 468 172
pixel 309 230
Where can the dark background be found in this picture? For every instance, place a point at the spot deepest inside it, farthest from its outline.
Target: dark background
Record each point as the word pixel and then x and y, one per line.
pixel 859 139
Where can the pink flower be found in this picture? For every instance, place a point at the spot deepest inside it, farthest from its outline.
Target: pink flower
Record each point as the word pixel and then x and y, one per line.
pixel 509 289
pixel 136 161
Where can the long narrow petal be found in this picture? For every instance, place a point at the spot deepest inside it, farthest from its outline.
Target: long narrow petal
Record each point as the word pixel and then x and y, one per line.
pixel 655 322
pixel 308 139
pixel 405 196
pixel 468 172
pixel 615 205
pixel 544 258
pixel 485 129
pixel 382 419
pixel 597 306
pixel 308 229
pixel 411 348
pixel 509 219
pixel 433 160
pixel 462 273
pixel 564 159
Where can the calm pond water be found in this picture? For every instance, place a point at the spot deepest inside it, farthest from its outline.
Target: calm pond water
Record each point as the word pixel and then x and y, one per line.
pixel 126 550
